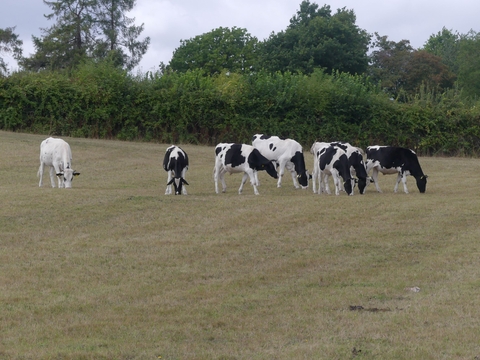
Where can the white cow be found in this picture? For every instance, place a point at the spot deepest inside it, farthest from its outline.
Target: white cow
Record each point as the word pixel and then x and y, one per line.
pixel 287 153
pixel 57 154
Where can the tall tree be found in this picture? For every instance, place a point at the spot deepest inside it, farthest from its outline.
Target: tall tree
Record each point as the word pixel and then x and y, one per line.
pixel 87 29
pixel 445 44
pixel 121 35
pixel 469 64
pixel 316 38
pixel 9 44
pixel 220 49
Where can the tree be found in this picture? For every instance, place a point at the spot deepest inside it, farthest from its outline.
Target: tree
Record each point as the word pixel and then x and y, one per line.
pixel 469 64
pixel 388 63
pixel 84 29
pixel 445 44
pixel 317 39
pixel 120 33
pixel 220 49
pixel 400 68
pixel 9 43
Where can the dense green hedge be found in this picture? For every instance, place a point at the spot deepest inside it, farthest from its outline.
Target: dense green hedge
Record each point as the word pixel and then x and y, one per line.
pixel 99 101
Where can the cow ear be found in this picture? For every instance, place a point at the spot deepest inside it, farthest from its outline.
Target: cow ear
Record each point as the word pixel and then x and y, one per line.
pixel 185 182
pixel 75 173
pixel 60 174
pixel 171 181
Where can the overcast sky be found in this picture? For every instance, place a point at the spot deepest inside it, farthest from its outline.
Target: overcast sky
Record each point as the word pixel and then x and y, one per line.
pixel 169 21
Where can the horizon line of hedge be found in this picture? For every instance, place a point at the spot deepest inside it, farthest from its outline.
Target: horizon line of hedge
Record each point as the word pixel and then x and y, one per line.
pixel 101 101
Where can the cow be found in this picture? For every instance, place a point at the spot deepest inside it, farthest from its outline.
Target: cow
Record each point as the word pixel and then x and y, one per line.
pixel 56 154
pixel 331 160
pixel 287 153
pixel 238 158
pixel 175 163
pixel 395 160
pixel 357 165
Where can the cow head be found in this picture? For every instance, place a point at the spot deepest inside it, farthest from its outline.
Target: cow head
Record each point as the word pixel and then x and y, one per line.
pixel 178 184
pixel 66 177
pixel 347 185
pixel 362 184
pixel 303 179
pixel 270 168
pixel 422 183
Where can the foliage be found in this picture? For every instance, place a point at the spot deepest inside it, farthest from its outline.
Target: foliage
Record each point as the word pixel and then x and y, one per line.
pixel 121 35
pixel 469 64
pixel 220 49
pixel 317 39
pixel 9 43
pixel 87 29
pixel 401 70
pixel 445 44
pixel 99 100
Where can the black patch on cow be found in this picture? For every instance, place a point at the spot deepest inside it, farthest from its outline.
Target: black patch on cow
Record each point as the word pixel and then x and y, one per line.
pixel 356 161
pixel 233 156
pixel 259 162
pixel 218 149
pixel 326 156
pixel 298 161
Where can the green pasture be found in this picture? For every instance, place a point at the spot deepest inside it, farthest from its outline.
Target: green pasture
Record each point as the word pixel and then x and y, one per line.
pixel 114 269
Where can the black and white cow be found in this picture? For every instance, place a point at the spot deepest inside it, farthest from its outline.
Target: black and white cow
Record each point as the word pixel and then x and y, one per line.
pixel 57 154
pixel 331 160
pixel 287 153
pixel 238 158
pixel 395 160
pixel 355 159
pixel 175 164
pixel 357 165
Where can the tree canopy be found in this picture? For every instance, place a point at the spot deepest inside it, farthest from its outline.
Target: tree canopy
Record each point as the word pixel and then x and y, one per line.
pixel 9 43
pixel 220 49
pixel 94 29
pixel 316 38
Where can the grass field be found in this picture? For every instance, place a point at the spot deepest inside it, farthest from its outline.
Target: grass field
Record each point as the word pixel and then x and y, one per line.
pixel 114 269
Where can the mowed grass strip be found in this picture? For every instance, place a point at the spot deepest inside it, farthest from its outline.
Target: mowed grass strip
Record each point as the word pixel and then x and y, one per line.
pixel 114 269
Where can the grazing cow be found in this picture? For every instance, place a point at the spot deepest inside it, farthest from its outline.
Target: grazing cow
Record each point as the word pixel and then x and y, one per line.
pixel 175 164
pixel 287 153
pixel 357 165
pixel 57 154
pixel 237 158
pixel 331 160
pixel 395 160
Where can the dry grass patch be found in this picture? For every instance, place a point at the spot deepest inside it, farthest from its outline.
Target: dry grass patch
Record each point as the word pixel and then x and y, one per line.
pixel 114 269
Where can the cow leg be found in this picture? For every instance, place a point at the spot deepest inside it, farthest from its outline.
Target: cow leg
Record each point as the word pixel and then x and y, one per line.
pixel 40 174
pixel 168 190
pixel 404 181
pixel 184 188
pixel 290 167
pixel 52 177
pixel 337 183
pixel 280 172
pixel 375 179
pixel 314 180
pixel 244 180
pixel 326 185
pixel 219 174
pixel 401 178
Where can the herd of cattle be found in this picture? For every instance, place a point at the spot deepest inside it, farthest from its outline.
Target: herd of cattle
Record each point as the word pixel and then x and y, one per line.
pixel 340 160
